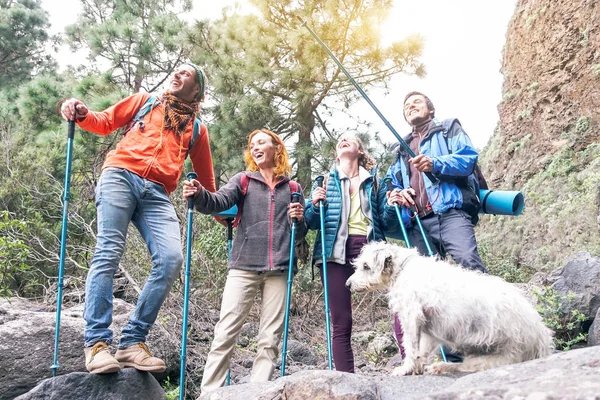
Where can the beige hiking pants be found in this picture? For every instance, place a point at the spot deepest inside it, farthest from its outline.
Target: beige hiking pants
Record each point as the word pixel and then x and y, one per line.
pixel 238 296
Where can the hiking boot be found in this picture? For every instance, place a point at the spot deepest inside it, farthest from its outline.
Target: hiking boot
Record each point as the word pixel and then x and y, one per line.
pixel 98 359
pixel 139 357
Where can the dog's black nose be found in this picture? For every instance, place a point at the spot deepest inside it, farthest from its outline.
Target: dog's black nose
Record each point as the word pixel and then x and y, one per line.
pixel 348 284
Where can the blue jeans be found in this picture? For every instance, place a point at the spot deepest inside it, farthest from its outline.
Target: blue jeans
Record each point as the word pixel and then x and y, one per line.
pixel 122 196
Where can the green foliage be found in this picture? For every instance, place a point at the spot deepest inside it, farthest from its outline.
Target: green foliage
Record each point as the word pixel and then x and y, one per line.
pixel 171 389
pixel 13 254
pixel 567 326
pixel 267 71
pixel 500 265
pixel 23 25
pixel 143 41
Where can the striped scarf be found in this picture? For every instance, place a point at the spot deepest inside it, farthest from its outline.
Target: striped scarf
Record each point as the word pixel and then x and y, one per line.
pixel 178 113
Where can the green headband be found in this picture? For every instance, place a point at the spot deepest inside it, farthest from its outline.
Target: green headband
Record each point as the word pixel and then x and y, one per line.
pixel 199 80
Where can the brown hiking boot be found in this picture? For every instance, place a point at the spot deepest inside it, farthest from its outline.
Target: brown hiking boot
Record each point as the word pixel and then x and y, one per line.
pixel 139 357
pixel 98 359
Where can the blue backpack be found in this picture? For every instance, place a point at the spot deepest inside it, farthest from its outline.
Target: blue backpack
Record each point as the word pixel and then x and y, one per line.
pixel 152 102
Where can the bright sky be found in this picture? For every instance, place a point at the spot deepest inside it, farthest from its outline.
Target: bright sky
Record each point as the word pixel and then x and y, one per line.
pixel 463 50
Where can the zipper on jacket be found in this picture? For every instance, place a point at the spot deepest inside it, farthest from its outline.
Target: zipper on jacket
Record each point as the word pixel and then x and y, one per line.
pixel 271 218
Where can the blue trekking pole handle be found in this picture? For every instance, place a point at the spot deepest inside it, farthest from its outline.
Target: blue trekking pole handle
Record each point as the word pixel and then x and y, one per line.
pixel 63 241
pixel 295 199
pixel 186 291
pixel 390 187
pixel 403 143
pixel 319 180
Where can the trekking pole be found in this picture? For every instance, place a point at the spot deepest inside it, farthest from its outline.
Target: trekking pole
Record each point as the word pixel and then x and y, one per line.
pixel 229 216
pixel 186 291
pixel 229 244
pixel 63 242
pixel 295 199
pixel 319 181
pixel 403 143
pixel 416 215
pixel 388 182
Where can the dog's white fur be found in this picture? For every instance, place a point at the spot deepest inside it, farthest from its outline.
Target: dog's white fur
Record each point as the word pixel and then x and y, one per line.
pixel 481 316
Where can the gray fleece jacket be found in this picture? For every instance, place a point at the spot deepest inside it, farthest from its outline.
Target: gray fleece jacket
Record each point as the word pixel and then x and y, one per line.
pixel 262 238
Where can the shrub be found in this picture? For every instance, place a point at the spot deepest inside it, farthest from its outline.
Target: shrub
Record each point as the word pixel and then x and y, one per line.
pixel 566 325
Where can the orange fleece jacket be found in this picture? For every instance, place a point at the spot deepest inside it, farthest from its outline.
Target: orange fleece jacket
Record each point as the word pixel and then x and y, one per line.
pixel 152 154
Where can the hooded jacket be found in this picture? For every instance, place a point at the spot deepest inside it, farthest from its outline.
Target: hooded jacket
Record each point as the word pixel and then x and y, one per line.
pixel 262 237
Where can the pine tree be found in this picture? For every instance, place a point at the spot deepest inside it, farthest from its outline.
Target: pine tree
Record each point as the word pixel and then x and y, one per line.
pixel 142 41
pixel 266 70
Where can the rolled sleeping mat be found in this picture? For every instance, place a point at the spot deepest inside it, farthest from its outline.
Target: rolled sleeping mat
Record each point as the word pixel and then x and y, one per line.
pixel 231 213
pixel 501 202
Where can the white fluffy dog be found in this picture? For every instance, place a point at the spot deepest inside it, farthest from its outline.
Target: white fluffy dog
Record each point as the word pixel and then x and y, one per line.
pixel 481 316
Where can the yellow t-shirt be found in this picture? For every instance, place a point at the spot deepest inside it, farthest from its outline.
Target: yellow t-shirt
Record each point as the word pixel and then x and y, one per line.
pixel 357 221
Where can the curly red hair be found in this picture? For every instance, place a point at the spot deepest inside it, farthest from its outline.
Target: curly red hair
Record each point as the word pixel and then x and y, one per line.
pixel 282 160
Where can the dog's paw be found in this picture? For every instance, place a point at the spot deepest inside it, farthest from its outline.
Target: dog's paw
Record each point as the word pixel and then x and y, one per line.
pixel 439 368
pixel 408 369
pixel 401 371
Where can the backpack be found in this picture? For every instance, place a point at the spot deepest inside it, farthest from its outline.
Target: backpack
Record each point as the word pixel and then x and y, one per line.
pixel 152 102
pixel 302 250
pixel 469 185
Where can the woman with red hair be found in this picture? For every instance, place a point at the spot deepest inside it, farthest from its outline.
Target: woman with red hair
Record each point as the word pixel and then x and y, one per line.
pixel 260 253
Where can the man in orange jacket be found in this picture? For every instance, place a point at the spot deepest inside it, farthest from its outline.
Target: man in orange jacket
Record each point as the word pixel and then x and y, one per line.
pixel 137 178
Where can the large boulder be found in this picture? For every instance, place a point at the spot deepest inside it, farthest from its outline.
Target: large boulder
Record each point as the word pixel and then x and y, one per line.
pixel 129 384
pixel 27 330
pixel 579 278
pixel 594 332
pixel 309 385
pixel 567 375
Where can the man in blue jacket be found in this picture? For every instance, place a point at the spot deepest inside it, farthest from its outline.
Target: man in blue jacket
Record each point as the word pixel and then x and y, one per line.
pixel 446 209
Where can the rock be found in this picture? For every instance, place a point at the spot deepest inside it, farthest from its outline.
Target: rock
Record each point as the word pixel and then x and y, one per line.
pixel 594 332
pixel 363 337
pixel 382 345
pixel 300 353
pixel 581 277
pixel 394 362
pixel 310 385
pixel 250 330
pixel 27 344
pixel 568 375
pixel 128 384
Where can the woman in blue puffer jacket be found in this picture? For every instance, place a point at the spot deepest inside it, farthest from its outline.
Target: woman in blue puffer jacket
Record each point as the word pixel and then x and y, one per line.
pixel 356 210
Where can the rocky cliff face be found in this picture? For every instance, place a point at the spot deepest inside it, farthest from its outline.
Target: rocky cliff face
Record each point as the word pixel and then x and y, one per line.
pixel 546 142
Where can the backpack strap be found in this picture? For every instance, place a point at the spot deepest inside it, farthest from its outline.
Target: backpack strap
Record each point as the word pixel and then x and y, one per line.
pixel 294 187
pixel 152 102
pixel 196 134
